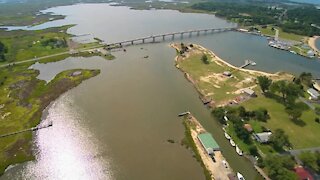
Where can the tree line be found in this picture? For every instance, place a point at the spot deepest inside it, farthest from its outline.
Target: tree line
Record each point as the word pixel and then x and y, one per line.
pixel 3 50
pixel 292 19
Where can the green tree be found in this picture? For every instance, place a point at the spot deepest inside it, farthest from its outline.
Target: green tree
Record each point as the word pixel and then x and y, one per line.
pixel 317 110
pixel 294 113
pixel 253 150
pixel 264 83
pixel 279 139
pixel 204 59
pixel 242 112
pixel 219 114
pixel 3 50
pixel 306 79
pixel 261 114
pixel 289 91
pixel 309 159
pixel 241 132
pixel 280 167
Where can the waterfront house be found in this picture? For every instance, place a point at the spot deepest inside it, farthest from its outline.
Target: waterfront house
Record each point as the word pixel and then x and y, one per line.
pixel 249 92
pixel 314 95
pixel 262 137
pixel 302 173
pixel 208 143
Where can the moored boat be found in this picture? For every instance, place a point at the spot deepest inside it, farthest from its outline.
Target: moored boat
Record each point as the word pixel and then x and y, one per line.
pixel 239 151
pixel 232 143
pixel 240 176
pixel 227 135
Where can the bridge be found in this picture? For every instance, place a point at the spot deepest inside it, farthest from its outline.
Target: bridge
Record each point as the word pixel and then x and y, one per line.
pixel 142 40
pixel 163 37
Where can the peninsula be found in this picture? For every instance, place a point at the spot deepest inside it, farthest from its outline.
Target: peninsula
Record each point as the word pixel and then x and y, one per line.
pixel 248 104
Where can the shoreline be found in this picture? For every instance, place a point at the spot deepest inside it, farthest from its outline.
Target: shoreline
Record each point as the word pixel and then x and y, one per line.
pixel 312 43
pixel 213 55
pixel 56 89
pixel 220 60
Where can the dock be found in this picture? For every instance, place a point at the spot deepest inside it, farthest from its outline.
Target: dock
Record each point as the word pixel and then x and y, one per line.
pixel 27 130
pixel 184 113
pixel 247 63
pixel 205 100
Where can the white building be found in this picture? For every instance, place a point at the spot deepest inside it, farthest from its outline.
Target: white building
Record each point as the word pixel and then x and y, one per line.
pixel 314 95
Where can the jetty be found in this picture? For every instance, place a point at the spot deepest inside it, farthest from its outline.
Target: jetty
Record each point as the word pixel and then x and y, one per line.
pixel 184 113
pixel 205 100
pixel 27 130
pixel 247 63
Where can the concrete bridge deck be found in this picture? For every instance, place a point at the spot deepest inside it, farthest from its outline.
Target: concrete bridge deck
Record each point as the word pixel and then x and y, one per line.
pixel 153 38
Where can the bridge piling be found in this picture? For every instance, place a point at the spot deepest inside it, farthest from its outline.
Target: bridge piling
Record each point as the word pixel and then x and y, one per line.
pixel 181 33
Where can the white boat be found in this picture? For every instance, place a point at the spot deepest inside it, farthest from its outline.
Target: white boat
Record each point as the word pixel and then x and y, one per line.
pixel 253 63
pixel 239 151
pixel 232 143
pixel 293 52
pixel 240 176
pixel 227 135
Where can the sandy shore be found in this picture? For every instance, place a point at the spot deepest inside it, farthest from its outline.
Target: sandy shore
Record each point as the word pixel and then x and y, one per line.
pixel 218 59
pixel 312 43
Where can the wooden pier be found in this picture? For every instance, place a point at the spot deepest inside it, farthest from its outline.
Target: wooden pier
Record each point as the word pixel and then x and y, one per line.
pixel 26 130
pixel 247 63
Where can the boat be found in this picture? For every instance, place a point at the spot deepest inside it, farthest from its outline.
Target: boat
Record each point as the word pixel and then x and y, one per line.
pixel 240 176
pixel 253 63
pixel 184 113
pixel 232 143
pixel 239 151
pixel 227 135
pixel 293 52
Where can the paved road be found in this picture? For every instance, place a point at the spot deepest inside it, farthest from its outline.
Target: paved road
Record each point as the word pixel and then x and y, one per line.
pixel 49 56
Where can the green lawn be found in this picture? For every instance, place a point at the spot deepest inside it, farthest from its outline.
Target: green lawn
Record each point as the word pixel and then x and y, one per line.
pixel 282 34
pixel 197 69
pixel 23 45
pixel 300 136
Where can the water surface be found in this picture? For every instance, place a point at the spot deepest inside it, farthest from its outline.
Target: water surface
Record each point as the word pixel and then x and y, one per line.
pixel 116 125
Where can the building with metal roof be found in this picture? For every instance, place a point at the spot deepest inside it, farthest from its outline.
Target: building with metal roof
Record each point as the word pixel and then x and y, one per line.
pixel 248 91
pixel 262 137
pixel 313 93
pixel 208 143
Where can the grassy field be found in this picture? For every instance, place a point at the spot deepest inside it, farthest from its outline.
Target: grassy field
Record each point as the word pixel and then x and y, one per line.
pixel 23 98
pixel 283 35
pixel 210 80
pixel 301 136
pixel 206 80
pixel 24 45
